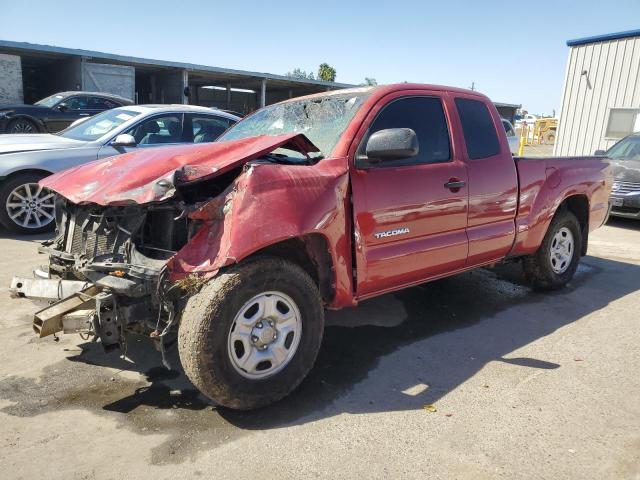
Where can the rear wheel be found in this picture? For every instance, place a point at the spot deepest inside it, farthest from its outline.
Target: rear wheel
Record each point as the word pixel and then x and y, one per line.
pixel 25 206
pixel 556 261
pixel 22 125
pixel 250 336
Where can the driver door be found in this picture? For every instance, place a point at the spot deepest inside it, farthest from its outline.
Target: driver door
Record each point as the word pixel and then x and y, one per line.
pixel 66 112
pixel 410 214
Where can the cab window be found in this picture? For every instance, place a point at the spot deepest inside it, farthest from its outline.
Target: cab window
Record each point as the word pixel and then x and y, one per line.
pixel 480 135
pixel 425 116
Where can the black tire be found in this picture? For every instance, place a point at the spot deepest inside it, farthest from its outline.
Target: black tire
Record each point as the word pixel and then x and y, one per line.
pixel 209 315
pixel 22 125
pixel 538 269
pixel 549 137
pixel 5 191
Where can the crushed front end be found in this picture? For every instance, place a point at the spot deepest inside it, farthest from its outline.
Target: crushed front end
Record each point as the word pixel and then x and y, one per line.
pixel 138 235
pixel 111 262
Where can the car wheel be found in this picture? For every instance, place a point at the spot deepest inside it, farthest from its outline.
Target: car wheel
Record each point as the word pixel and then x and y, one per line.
pixel 22 125
pixel 549 137
pixel 250 336
pixel 25 206
pixel 556 261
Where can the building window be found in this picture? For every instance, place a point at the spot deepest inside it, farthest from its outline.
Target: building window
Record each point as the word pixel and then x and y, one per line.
pixel 622 122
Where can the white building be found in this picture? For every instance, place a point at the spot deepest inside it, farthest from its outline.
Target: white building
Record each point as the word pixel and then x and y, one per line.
pixel 601 98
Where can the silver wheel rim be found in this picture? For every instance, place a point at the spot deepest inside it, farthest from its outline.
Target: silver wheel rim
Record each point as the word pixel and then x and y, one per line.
pixel 265 335
pixel 22 126
pixel 562 246
pixel 31 206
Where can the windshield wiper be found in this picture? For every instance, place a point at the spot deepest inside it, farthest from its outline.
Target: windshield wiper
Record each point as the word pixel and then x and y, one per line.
pixel 287 160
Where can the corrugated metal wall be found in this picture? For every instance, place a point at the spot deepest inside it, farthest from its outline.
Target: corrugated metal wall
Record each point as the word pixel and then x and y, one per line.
pixel 612 81
pixel 116 79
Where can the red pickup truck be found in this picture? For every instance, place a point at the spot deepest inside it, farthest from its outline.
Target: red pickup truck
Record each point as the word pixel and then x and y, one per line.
pixel 238 247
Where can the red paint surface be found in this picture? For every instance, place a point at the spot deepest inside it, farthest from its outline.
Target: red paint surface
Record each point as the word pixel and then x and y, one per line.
pixel 504 209
pixel 133 177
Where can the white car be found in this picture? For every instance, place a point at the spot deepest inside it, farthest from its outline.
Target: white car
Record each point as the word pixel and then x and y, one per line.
pixel 25 207
pixel 512 138
pixel 528 119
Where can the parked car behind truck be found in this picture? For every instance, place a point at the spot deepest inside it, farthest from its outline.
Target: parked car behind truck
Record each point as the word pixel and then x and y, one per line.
pixel 625 192
pixel 56 112
pixel 317 202
pixel 27 208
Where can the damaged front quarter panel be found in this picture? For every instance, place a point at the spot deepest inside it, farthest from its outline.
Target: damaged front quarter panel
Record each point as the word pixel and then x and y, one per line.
pixel 266 204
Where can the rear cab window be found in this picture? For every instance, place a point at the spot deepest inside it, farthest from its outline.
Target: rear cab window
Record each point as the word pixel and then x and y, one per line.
pixel 478 128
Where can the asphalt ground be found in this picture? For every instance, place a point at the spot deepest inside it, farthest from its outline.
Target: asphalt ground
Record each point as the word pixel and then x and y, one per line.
pixel 517 384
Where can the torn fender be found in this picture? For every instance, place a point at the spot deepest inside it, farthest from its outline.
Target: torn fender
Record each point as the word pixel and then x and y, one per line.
pixel 268 204
pixel 151 174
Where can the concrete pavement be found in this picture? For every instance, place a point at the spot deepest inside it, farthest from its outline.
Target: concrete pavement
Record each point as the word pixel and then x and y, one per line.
pixel 525 385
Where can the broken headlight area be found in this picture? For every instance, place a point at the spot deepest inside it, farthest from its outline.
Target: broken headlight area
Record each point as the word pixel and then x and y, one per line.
pixel 115 259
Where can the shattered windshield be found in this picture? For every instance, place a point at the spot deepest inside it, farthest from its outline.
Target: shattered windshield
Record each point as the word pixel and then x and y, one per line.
pixel 321 119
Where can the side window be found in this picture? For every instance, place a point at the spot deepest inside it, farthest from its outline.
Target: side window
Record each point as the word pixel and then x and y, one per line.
pixel 158 130
pixel 78 102
pixel 425 116
pixel 208 128
pixel 477 126
pixel 508 130
pixel 98 103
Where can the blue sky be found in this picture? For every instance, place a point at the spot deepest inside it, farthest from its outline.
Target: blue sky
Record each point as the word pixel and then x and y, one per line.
pixel 514 51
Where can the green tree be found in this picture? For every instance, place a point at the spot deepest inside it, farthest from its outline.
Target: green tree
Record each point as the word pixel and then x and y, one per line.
pixel 300 74
pixel 326 72
pixel 369 82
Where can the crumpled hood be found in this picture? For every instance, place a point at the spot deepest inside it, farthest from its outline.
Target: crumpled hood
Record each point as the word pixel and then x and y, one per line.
pixel 151 174
pixel 30 142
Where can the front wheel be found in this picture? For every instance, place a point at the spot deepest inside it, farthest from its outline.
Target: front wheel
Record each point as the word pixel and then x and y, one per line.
pixel 25 206
pixel 556 261
pixel 250 336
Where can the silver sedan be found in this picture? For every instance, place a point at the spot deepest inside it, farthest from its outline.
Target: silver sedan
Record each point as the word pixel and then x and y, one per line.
pixel 25 207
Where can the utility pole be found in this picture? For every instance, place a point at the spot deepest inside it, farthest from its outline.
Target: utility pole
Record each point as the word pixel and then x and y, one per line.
pixel 473 86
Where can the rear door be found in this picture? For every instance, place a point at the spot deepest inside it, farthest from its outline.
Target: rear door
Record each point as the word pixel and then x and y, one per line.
pixel 409 221
pixel 493 181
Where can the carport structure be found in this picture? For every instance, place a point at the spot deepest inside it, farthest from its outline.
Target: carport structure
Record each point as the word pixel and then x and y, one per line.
pixel 33 71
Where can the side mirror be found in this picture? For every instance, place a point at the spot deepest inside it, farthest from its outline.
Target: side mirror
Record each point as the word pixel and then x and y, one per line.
pixel 392 144
pixel 62 107
pixel 124 140
pixel 599 153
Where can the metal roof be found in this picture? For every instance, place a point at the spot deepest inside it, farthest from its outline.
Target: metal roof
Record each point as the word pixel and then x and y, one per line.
pixel 603 38
pixel 25 47
pixel 507 105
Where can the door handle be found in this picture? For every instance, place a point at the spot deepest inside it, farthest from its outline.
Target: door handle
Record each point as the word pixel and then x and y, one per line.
pixel 84 114
pixel 454 184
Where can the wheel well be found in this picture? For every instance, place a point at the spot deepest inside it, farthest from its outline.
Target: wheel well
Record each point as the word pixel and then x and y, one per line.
pixel 579 206
pixel 28 170
pixel 311 253
pixel 38 123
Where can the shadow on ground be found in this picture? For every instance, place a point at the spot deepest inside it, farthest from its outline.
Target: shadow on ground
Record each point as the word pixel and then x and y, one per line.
pixel 453 327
